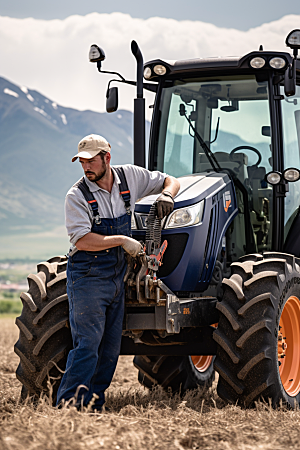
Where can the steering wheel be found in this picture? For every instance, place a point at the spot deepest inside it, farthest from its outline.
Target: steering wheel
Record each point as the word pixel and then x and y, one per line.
pixel 246 147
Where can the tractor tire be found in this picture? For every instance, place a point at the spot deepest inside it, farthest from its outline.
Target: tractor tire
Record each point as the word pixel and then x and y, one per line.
pixel 258 335
pixel 177 374
pixel 45 338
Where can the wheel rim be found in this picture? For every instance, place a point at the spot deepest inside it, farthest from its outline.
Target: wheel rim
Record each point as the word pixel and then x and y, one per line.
pixel 202 363
pixel 289 346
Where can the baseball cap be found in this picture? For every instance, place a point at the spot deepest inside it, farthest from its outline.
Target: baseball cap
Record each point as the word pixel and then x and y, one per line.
pixel 90 146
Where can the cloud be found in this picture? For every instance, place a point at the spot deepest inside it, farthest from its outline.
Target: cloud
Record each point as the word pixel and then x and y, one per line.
pixel 52 56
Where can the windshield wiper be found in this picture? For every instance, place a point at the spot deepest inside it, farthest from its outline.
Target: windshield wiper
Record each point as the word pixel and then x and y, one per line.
pixel 210 156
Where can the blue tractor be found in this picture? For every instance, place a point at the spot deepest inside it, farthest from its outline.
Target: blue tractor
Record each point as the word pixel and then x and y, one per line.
pixel 217 287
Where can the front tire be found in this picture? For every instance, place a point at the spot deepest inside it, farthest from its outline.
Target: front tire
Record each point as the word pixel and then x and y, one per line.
pixel 258 335
pixel 45 338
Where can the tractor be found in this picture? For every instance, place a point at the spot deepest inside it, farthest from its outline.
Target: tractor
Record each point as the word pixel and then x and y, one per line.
pixel 217 286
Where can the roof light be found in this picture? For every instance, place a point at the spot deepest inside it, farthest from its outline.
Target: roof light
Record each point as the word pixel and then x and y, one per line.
pixel 147 73
pixel 159 69
pixel 257 63
pixel 277 63
pixel 273 178
pixel 291 175
pixel 293 39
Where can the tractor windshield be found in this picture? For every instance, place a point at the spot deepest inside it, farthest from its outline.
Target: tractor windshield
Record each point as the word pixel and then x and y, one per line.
pixel 223 120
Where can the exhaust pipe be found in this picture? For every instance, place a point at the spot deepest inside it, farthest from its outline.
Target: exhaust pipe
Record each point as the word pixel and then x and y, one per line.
pixel 139 110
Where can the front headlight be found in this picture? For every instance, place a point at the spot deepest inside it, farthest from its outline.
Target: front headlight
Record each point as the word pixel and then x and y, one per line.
pixel 185 217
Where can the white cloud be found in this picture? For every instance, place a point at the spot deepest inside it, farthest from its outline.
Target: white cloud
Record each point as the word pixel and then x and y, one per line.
pixel 54 54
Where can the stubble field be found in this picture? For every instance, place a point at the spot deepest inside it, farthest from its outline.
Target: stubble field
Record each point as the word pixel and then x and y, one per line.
pixel 137 419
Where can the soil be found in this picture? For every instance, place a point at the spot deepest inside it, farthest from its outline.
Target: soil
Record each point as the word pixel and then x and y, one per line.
pixel 137 419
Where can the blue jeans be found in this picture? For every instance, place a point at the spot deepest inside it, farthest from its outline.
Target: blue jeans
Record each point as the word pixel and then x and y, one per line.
pixel 95 290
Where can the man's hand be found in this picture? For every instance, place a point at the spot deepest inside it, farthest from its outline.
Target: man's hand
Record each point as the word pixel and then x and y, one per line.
pixel 165 205
pixel 131 246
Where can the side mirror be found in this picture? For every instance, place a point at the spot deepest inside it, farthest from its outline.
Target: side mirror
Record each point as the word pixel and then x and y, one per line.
pixel 290 80
pixel 112 99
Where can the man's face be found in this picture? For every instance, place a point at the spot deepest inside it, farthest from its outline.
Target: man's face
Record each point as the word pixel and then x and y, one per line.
pixel 94 168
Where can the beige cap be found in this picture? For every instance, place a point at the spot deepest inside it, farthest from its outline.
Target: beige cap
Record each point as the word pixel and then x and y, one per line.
pixel 90 146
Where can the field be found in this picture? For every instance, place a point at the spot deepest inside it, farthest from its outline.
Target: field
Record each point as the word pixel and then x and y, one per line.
pixel 137 419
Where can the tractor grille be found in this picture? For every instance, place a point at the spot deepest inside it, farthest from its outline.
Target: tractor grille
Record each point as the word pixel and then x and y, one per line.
pixel 173 254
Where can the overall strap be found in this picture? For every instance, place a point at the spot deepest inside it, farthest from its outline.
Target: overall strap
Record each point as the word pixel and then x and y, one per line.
pixel 81 184
pixel 123 187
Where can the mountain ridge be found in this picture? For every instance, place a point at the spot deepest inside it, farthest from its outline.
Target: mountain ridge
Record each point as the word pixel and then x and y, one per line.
pixel 38 139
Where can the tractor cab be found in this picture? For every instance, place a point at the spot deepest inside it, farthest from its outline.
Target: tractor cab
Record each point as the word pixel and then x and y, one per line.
pixel 250 126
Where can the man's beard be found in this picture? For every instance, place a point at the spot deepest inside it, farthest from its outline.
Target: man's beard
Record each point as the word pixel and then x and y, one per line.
pixel 95 177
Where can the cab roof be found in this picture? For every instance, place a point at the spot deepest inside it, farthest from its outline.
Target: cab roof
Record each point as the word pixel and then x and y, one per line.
pixel 216 63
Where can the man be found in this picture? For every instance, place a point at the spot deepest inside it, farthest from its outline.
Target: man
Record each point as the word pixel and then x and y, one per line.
pixel 98 221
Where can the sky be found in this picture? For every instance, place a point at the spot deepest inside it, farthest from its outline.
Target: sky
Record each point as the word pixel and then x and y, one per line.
pixel 49 51
pixel 237 14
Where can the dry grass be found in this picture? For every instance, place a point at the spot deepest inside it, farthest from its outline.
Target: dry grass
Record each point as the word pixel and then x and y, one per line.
pixel 137 419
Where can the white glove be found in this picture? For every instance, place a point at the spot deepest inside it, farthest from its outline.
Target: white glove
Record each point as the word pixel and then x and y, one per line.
pixel 131 246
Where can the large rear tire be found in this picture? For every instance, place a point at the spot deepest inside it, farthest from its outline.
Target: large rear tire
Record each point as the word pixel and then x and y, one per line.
pixel 258 335
pixel 175 373
pixel 45 338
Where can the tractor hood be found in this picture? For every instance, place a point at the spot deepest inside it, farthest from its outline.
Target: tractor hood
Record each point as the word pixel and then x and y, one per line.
pixel 193 189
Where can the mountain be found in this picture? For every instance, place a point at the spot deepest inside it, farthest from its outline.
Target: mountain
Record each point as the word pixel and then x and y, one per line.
pixel 38 139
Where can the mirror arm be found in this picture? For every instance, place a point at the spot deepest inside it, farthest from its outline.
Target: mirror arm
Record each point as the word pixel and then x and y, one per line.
pixel 112 73
pixel 295 53
pixel 148 86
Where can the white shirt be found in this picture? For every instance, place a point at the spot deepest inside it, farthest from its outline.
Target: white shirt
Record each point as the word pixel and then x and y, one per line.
pixel 141 182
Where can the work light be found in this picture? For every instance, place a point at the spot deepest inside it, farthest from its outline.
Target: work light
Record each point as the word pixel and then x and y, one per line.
pixel 273 178
pixel 147 73
pixel 96 54
pixel 277 63
pixel 257 63
pixel 159 69
pixel 291 174
pixel 293 39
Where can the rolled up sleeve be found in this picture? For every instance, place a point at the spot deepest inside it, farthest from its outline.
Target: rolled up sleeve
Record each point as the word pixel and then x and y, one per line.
pixel 77 218
pixel 147 182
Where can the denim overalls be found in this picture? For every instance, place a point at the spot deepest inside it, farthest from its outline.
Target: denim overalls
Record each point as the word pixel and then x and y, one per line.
pixel 95 290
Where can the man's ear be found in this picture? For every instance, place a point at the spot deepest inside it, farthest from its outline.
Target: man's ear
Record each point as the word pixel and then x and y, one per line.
pixel 107 158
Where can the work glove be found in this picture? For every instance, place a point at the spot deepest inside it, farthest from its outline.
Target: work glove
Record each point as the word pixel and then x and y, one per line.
pixel 132 247
pixel 165 204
